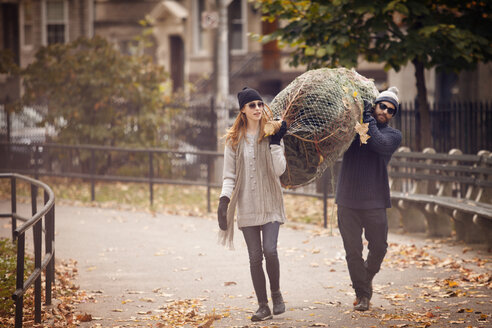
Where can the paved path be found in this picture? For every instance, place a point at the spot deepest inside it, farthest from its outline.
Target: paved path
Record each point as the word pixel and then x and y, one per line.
pixel 135 264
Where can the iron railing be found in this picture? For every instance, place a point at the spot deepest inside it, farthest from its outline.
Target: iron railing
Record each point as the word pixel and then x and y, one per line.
pixel 151 166
pixel 463 125
pixel 46 262
pixel 454 125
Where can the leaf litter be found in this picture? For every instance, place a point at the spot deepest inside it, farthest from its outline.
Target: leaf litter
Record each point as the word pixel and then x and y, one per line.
pixel 442 298
pixel 449 301
pixel 66 295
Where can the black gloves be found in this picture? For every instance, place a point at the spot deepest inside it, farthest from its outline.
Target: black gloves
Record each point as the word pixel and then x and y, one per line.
pixel 275 139
pixel 222 212
pixel 368 110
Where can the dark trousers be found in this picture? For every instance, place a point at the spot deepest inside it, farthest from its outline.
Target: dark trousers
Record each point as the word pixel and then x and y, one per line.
pixel 351 223
pixel 256 250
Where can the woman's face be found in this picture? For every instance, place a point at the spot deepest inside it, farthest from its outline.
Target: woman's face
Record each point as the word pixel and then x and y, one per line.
pixel 253 110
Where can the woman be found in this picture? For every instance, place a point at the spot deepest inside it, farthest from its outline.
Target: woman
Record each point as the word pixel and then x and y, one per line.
pixel 252 166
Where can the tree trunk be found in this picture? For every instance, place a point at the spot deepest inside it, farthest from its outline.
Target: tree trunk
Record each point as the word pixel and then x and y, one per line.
pixel 422 113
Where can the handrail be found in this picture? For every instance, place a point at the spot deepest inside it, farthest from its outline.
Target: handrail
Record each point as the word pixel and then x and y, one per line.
pixel 40 263
pixel 36 217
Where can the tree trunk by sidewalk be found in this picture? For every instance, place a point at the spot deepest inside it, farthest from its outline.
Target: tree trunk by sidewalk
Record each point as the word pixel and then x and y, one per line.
pixel 422 117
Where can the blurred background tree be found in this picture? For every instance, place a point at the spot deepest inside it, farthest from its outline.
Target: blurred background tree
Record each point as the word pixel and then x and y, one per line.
pixel 7 63
pixel 449 35
pixel 96 95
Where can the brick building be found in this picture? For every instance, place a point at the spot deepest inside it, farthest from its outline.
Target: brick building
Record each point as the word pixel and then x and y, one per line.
pixel 184 35
pixel 27 25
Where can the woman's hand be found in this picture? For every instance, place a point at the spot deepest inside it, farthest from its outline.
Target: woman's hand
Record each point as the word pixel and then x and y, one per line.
pixel 275 139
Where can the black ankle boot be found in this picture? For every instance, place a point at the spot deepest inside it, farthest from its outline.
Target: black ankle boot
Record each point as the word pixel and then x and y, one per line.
pixel 369 283
pixel 263 313
pixel 278 303
pixel 370 277
pixel 363 304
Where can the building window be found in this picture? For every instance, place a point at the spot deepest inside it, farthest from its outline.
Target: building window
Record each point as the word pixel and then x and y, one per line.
pixel 237 25
pixel 28 22
pixel 130 47
pixel 198 30
pixel 55 21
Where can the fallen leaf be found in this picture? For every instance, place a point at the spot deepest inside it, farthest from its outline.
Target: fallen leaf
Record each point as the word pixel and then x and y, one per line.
pixel 451 283
pixel 430 315
pixel 84 317
pixel 144 312
pixel 483 317
pixel 207 324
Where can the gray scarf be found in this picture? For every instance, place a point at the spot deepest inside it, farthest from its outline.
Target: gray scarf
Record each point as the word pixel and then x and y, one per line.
pixel 268 186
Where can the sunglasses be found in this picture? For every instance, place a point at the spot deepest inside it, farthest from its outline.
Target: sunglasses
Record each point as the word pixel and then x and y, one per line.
pixel 252 105
pixel 391 110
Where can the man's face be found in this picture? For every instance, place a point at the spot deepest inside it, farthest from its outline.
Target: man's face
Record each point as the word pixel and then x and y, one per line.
pixel 384 112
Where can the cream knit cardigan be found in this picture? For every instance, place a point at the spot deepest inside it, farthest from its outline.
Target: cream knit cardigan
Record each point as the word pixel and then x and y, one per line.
pixel 251 181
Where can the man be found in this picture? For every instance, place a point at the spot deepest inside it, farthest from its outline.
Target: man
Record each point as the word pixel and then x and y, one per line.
pixel 363 195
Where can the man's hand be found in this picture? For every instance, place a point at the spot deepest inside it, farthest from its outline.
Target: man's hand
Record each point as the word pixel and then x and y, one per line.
pixel 275 139
pixel 368 111
pixel 222 212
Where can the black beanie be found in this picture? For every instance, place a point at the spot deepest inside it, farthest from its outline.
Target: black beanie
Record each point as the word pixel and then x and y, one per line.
pixel 247 95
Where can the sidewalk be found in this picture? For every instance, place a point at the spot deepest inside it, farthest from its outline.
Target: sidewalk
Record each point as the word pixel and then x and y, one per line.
pixel 135 263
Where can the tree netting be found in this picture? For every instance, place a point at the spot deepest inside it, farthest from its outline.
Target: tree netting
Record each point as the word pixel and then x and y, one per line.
pixel 321 108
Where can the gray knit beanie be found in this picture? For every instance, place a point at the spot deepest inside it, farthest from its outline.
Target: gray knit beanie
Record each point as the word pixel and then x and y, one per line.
pixel 390 95
pixel 246 95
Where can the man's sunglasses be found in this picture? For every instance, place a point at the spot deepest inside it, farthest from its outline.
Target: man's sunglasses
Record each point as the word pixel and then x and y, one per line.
pixel 391 110
pixel 252 105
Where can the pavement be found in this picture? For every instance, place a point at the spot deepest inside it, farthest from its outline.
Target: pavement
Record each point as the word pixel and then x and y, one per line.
pixel 142 269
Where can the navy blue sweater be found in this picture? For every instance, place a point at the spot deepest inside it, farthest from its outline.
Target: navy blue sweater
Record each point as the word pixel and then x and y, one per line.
pixel 363 180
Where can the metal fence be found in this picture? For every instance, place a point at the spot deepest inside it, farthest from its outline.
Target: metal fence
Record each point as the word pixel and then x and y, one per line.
pixel 461 125
pixel 186 127
pixel 137 165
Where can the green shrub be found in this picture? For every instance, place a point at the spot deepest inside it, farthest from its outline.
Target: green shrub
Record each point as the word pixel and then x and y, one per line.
pixel 8 263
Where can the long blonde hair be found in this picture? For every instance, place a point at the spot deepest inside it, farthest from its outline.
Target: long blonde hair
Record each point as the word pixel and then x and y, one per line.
pixel 238 129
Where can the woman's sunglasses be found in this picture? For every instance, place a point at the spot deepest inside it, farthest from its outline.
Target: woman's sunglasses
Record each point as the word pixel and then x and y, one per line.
pixel 252 105
pixel 391 110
